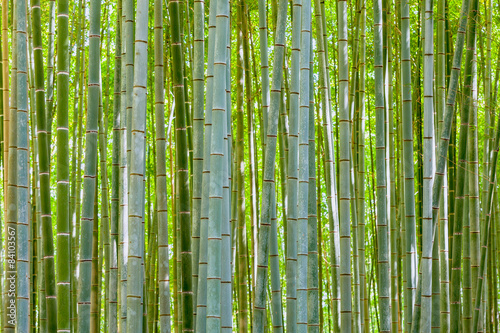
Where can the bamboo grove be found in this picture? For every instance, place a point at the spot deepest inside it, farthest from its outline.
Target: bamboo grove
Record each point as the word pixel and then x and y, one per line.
pixel 249 166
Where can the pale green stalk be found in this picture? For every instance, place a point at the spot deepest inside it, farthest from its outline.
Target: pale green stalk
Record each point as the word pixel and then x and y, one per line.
pixel 201 311
pixel 198 120
pixel 445 140
pixel 161 181
pixel 217 175
pixel 135 268
pixel 11 216
pixel 384 287
pixel 115 173
pixel 331 188
pixel 293 175
pixel 267 239
pixel 123 179
pixel 429 166
pixel 242 259
pixel 89 181
pixel 409 183
pixel 363 294
pixel 443 212
pixel 22 233
pixel 303 187
pixel 313 296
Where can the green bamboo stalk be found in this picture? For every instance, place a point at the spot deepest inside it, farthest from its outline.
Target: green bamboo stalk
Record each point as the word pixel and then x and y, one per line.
pixel 445 139
pixel 264 65
pixel 182 173
pixel 49 96
pixel 268 193
pixel 313 308
pixel 11 216
pixel 428 168
pixel 90 170
pixel 384 288
pixel 391 171
pixel 161 184
pixel 486 227
pixel 240 177
pixel 462 151
pixel 293 175
pixel 303 187
pixel 123 177
pixel 63 226
pixel 22 321
pixel 5 98
pixel 135 268
pixel 104 245
pixel 361 169
pixel 34 234
pixel 96 271
pixel 473 174
pixel 411 241
pixel 332 200
pixel 217 175
pixel 443 223
pixel 226 276
pixel 201 311
pixel 75 168
pixel 115 174
pixel 198 120
pixel 44 165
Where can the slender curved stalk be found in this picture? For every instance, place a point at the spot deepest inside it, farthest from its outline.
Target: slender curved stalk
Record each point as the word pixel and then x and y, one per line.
pixel 444 142
pixel 268 192
pixel 486 228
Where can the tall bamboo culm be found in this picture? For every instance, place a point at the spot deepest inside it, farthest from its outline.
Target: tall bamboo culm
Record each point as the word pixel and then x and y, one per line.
pixel 63 217
pixel 44 171
pixel 89 181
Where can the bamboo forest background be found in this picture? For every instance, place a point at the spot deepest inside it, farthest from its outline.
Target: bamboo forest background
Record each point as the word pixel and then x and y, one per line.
pixel 249 166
